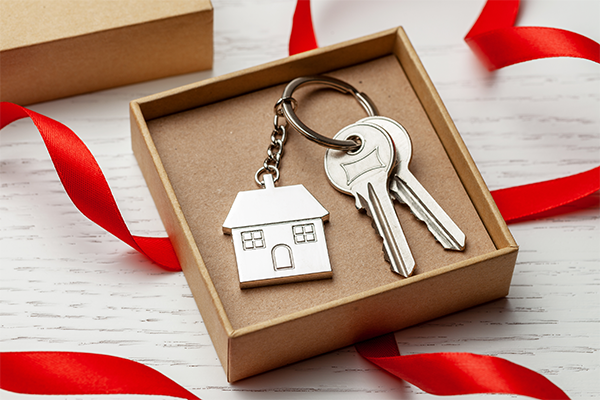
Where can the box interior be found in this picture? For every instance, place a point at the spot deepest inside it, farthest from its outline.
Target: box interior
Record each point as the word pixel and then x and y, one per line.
pixel 210 153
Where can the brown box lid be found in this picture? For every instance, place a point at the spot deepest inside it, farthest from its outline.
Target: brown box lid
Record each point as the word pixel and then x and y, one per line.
pixel 61 48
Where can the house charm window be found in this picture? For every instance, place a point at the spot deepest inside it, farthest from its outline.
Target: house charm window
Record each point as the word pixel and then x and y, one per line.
pixel 253 240
pixel 304 233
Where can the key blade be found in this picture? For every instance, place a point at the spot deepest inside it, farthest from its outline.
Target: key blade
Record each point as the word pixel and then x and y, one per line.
pixel 407 189
pixel 394 242
pixel 365 174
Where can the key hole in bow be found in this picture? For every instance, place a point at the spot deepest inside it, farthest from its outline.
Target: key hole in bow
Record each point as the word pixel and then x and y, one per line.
pixel 359 141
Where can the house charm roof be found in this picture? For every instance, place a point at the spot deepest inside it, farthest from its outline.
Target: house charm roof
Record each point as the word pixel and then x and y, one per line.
pixel 278 235
pixel 273 204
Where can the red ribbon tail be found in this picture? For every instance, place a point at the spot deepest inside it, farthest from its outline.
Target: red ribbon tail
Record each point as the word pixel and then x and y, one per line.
pixel 86 185
pixel 72 373
pixel 446 374
pixel 303 36
pixel 160 250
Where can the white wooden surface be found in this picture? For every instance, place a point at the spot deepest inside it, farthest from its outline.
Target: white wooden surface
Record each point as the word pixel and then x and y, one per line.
pixel 67 285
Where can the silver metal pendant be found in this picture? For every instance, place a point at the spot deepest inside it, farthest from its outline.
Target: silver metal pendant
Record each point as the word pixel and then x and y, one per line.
pixel 278 235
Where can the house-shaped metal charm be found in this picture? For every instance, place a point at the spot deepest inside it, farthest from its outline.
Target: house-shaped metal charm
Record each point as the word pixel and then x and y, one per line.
pixel 278 235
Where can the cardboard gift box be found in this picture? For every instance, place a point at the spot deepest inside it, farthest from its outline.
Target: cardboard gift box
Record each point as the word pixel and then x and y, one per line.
pixel 199 145
pixel 60 48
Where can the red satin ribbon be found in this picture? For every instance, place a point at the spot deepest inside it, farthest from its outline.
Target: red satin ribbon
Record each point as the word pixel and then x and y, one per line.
pixel 516 203
pixel 302 37
pixel 86 185
pixel 458 373
pixel 498 43
pixel 66 373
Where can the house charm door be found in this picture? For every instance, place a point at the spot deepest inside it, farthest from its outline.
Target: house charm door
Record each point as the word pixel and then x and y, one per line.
pixel 278 235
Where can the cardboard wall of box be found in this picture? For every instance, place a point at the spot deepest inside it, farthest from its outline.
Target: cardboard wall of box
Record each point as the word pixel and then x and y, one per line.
pixel 50 50
pixel 200 144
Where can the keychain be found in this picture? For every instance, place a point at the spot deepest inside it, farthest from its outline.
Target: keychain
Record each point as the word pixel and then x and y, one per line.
pixel 278 233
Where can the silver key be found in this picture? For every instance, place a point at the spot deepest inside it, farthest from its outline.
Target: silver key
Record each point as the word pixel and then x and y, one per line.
pixel 365 174
pixel 405 188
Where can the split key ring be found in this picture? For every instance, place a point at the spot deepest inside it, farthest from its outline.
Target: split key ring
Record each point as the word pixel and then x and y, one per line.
pixel 288 104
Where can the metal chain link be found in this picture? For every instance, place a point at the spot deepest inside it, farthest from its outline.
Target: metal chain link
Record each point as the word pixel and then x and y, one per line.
pixel 275 149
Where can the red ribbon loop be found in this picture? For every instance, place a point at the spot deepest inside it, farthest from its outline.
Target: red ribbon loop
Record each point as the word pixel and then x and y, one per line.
pixel 498 44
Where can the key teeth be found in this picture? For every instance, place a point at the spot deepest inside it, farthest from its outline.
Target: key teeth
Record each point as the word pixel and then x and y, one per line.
pixel 366 209
pixel 399 200
pixel 386 256
pixel 454 246
pixel 363 205
pixel 446 241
